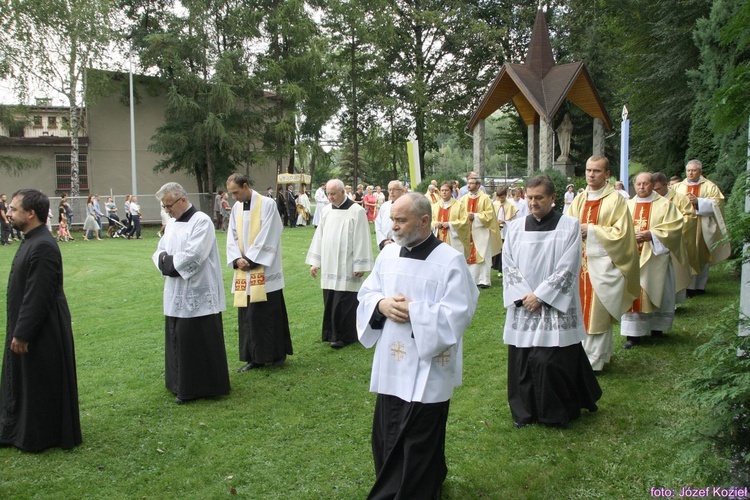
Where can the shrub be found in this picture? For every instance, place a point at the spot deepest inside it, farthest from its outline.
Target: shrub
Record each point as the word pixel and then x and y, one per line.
pixel 718 436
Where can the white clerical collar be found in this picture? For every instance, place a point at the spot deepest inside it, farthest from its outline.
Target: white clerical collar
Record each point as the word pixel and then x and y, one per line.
pixel 446 204
pixel 593 194
pixel 647 199
pixel 693 183
pixel 474 195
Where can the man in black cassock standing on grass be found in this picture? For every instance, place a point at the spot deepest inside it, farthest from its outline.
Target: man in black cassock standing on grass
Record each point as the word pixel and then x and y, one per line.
pixel 38 387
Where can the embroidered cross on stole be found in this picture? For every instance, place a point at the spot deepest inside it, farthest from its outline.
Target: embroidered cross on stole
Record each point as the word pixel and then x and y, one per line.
pixel 444 215
pixel 589 215
pixel 640 223
pixel 694 189
pixel 471 207
pixel 254 278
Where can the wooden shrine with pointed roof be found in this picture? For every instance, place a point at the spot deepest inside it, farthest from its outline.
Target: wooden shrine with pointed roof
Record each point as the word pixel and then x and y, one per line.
pixel 538 88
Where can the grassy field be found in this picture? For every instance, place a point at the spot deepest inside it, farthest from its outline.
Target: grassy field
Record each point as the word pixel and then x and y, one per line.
pixel 303 431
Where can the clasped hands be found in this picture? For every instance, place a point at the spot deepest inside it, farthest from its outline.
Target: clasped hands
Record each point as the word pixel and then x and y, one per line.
pixel 395 308
pixel 531 302
pixel 642 236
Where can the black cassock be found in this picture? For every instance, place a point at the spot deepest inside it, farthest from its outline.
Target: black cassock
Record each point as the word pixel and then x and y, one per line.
pixel 38 389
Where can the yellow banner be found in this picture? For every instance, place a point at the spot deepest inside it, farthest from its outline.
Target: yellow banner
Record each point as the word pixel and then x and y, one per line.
pixel 415 172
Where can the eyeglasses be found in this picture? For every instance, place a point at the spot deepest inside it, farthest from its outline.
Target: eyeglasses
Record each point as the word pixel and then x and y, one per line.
pixel 168 206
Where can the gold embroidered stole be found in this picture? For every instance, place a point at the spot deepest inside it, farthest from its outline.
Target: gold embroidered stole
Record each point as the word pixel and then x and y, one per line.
pixel 641 219
pixel 255 277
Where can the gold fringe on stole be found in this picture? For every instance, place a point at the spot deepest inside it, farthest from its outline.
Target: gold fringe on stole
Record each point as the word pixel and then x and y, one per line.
pixel 257 276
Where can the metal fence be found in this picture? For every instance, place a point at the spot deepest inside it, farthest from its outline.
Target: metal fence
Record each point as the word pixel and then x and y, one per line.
pixel 150 206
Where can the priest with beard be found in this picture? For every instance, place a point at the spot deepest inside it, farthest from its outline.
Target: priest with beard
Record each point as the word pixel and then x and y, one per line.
pixel 549 375
pixel 38 387
pixel 188 258
pixel 415 305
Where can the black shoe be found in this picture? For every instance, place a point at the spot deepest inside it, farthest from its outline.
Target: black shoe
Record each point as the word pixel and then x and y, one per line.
pixel 338 344
pixel 249 366
pixel 630 343
pixel 180 401
pixel 483 286
pixel 279 362
pixel 657 333
pixel 519 425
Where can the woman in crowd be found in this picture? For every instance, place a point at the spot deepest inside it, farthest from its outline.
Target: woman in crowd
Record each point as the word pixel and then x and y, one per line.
pixel 380 195
pixel 90 226
pixel 370 204
pixel 68 214
pixel 62 220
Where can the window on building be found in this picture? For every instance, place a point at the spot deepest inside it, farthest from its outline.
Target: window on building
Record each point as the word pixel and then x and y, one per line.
pixel 37 122
pixel 51 122
pixel 62 167
pixel 16 129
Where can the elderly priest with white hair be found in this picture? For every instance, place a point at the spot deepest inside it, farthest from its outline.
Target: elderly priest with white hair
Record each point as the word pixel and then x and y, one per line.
pixel 415 305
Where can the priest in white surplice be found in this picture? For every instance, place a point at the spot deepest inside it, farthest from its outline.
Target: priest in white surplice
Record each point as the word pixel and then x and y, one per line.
pixel 658 232
pixel 341 250
pixel 415 305
pixel 383 233
pixel 549 375
pixel 254 252
pixel 188 258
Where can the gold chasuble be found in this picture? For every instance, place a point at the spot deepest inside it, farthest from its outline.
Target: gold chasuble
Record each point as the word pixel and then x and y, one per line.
pixel 254 278
pixel 664 221
pixel 455 213
pixel 685 269
pixel 710 228
pixel 488 242
pixel 608 280
pixel 509 210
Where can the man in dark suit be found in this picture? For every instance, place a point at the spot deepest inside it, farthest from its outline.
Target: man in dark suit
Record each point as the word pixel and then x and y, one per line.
pixel 281 203
pixel 38 387
pixel 291 206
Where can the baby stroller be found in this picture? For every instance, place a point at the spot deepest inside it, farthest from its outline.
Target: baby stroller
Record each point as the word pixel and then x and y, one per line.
pixel 116 228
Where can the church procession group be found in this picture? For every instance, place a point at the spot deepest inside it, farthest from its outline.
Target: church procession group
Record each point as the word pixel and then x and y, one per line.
pixel 567 277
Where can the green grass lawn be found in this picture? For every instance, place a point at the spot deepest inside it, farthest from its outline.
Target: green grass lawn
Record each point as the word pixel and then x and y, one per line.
pixel 303 431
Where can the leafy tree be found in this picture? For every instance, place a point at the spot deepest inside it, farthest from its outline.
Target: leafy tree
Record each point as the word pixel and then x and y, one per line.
pixel 215 111
pixel 437 54
pixel 657 52
pixel 351 29
pixel 719 131
pixel 49 44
